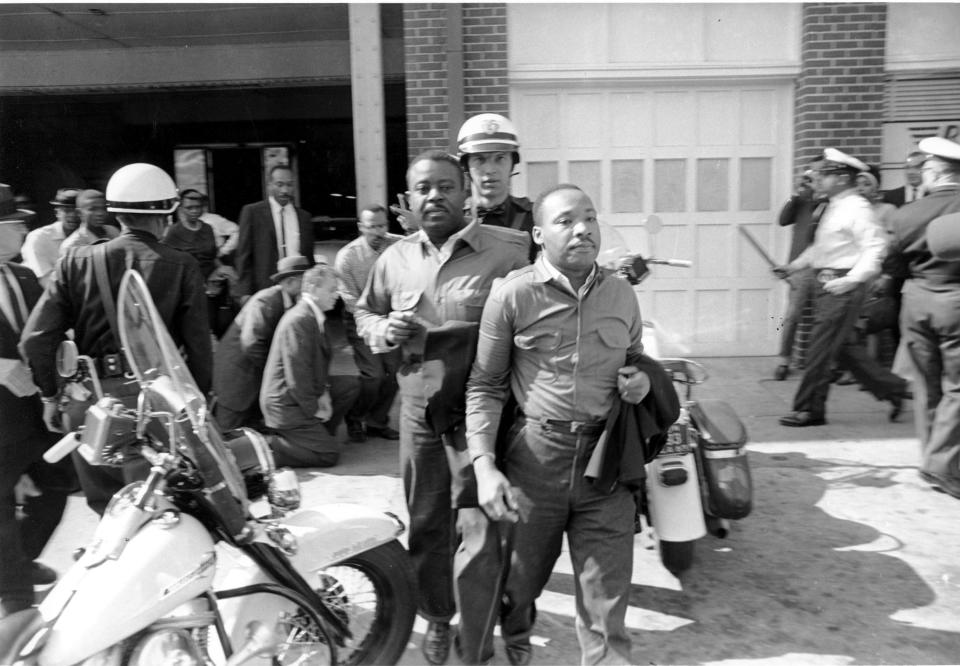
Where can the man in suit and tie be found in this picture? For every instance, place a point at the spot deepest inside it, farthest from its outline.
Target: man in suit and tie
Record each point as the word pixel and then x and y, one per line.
pixel 913 190
pixel 271 230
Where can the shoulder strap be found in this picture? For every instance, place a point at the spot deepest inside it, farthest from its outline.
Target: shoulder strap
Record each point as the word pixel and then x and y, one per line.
pixel 21 304
pixel 103 285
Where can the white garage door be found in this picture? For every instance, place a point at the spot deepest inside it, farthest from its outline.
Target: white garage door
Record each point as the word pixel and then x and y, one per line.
pixel 703 158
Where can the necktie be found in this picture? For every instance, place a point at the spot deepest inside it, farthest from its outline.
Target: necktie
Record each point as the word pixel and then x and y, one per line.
pixel 283 234
pixel 496 210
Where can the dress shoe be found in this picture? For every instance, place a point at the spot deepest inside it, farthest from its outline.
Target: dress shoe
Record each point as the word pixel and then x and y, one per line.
pixel 802 420
pixel 385 432
pixel 436 643
pixel 519 654
pixel 41 574
pixel 355 432
pixel 942 484
pixel 896 407
pixel 781 372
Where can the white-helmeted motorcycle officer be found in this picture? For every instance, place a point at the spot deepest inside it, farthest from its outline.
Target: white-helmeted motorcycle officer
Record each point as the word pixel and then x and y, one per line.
pixel 143 197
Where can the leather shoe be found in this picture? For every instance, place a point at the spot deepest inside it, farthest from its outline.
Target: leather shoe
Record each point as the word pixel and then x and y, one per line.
pixel 519 654
pixel 802 420
pixel 436 643
pixel 781 372
pixel 355 432
pixel 41 574
pixel 385 432
pixel 896 407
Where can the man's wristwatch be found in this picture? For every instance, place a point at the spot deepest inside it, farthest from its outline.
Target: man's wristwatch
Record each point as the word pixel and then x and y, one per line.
pixel 485 454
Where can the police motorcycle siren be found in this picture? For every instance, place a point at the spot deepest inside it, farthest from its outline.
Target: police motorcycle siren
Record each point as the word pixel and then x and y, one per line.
pixel 700 480
pixel 181 571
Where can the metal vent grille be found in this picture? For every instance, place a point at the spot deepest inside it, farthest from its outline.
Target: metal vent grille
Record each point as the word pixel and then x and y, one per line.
pixel 923 99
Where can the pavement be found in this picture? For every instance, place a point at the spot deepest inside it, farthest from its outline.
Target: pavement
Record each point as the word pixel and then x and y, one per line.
pixel 847 558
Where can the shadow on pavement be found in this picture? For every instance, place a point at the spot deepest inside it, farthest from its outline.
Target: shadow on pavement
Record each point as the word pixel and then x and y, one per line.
pixel 778 585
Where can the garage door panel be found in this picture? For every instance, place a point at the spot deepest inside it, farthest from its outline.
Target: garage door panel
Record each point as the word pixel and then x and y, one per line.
pixel 750 263
pixel 758 117
pixel 628 120
pixel 753 319
pixel 673 121
pixel 673 313
pixel 718 118
pixel 713 310
pixel 583 120
pixel 539 118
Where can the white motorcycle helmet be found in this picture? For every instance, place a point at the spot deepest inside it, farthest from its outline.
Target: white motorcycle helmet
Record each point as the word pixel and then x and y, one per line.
pixel 487 133
pixel 142 188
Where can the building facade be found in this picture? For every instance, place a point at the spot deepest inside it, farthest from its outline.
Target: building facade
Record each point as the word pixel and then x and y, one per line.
pixel 698 114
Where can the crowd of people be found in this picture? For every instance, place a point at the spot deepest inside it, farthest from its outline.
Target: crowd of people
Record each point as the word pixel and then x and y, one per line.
pixel 508 345
pixel 863 262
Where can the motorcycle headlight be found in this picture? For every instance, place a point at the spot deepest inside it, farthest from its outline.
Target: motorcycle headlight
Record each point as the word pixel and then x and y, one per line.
pixel 167 647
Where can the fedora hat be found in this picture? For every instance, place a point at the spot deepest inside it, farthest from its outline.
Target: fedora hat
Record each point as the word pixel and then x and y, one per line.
pixel 66 197
pixel 8 206
pixel 294 265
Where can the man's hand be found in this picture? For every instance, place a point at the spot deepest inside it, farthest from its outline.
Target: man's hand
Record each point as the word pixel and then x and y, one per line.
pixel 52 417
pixel 324 407
pixel 840 285
pixel 782 272
pixel 494 492
pixel 633 384
pixel 401 326
pixel 407 219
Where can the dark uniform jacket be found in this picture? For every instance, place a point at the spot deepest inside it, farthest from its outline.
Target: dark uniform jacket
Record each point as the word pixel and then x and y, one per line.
pixel 297 371
pixel 909 256
pixel 73 300
pixel 21 419
pixel 242 351
pixel 257 254
pixel 514 213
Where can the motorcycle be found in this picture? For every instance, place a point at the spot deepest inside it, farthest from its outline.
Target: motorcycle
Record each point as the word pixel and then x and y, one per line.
pixel 700 480
pixel 207 561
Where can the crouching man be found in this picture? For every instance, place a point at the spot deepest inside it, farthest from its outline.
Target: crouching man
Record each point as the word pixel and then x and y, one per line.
pixel 296 399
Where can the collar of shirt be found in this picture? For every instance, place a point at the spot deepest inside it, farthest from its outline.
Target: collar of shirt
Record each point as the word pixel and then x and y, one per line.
pixel 288 300
pixel 275 208
pixel 317 312
pixel 470 235
pixel 545 271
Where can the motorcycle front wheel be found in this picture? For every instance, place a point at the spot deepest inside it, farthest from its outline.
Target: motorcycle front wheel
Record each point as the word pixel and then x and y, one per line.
pixel 375 593
pixel 677 556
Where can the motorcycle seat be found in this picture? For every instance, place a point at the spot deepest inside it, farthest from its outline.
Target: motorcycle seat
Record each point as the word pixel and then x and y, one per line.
pixel 16 630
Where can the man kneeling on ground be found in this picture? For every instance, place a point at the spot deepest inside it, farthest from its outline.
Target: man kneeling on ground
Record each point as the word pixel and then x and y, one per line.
pixel 295 397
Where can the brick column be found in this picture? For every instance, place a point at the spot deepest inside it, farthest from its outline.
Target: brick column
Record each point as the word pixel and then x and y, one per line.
pixel 839 96
pixel 485 83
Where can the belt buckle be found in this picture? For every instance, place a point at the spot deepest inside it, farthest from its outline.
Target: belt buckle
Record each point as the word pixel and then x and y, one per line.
pixel 112 365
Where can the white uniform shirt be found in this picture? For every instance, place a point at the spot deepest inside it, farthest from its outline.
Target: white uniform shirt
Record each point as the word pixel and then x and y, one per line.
pixel 41 249
pixel 848 237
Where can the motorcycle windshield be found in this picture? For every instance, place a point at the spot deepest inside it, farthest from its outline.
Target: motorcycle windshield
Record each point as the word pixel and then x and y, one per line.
pixel 154 359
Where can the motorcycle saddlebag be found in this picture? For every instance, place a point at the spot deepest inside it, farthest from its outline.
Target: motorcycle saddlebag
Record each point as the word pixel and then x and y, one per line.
pixel 722 458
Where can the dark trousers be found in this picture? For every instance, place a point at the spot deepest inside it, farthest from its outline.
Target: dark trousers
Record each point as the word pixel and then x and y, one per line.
pixel 378 378
pixel 801 284
pixel 426 483
pixel 834 316
pixel 547 467
pixel 930 329
pixel 23 538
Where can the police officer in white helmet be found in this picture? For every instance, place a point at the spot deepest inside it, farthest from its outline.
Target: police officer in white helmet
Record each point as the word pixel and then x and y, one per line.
pixel 143 197
pixel 489 150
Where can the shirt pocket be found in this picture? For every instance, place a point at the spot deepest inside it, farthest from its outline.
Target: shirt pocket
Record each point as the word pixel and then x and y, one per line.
pixel 606 352
pixel 538 354
pixel 542 341
pixel 404 300
pixel 469 304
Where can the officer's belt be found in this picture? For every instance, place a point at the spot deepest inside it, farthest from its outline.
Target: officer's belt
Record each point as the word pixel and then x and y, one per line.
pixel 111 365
pixel 588 428
pixel 936 278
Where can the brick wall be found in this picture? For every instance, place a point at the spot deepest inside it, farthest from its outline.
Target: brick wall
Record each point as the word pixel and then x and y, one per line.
pixel 426 45
pixel 839 96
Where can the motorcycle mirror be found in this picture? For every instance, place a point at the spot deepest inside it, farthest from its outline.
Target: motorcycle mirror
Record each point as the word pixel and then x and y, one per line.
pixel 653 224
pixel 67 359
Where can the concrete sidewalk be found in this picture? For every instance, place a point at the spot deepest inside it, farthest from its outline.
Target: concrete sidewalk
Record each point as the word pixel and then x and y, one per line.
pixel 846 558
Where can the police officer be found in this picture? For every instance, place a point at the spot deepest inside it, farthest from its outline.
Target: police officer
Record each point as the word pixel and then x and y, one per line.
pixel 930 311
pixel 489 150
pixel 143 197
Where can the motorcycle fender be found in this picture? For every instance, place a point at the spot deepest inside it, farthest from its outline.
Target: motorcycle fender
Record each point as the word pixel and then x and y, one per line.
pixel 335 532
pixel 675 511
pixel 162 567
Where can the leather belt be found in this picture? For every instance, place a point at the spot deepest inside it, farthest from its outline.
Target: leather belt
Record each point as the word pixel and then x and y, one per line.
pixel 824 275
pixel 588 428
pixel 111 365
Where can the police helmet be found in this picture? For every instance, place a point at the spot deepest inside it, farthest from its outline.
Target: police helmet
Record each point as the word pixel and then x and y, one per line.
pixel 487 133
pixel 142 188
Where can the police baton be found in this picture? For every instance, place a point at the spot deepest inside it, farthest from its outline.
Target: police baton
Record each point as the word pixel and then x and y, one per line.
pixel 756 245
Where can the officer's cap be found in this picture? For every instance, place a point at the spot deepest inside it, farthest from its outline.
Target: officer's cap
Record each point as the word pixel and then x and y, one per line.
pixel 836 160
pixel 937 146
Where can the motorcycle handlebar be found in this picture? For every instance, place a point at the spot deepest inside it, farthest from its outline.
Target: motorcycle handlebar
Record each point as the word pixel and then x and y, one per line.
pixel 64 446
